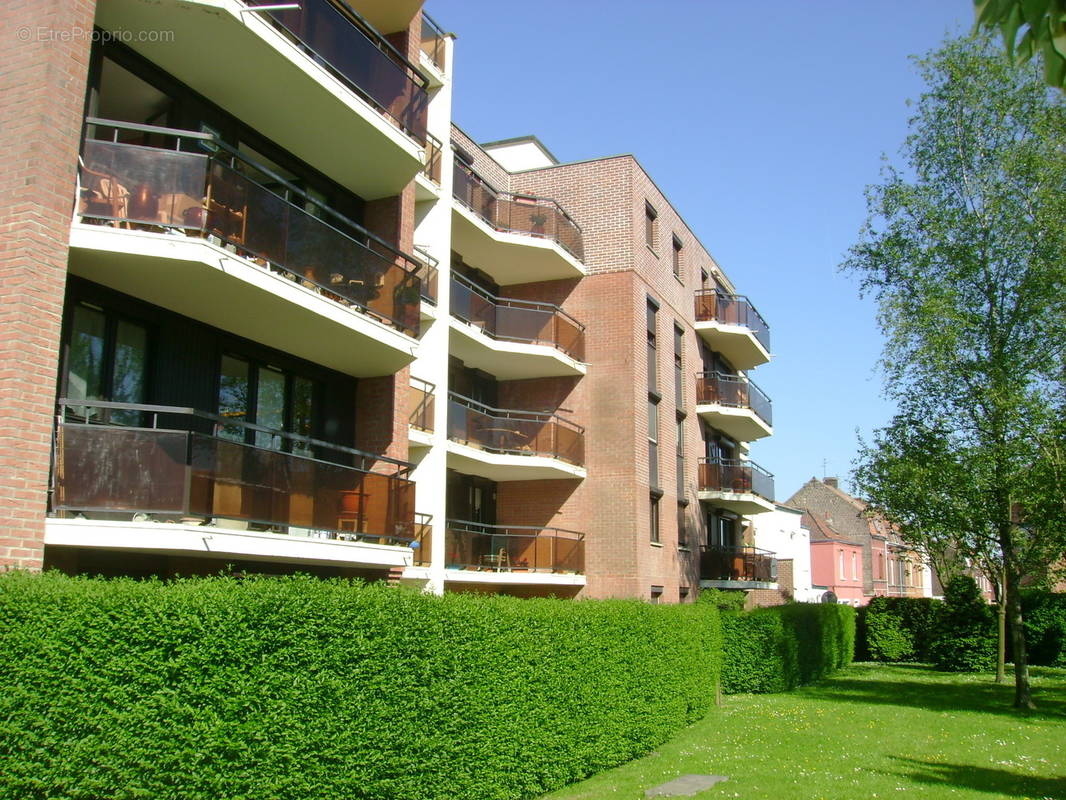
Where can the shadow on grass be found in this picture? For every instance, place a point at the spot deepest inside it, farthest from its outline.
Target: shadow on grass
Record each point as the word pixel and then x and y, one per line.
pixel 922 687
pixel 982 779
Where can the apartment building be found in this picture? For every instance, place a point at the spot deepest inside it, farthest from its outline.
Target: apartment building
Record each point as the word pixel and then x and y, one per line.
pixel 277 311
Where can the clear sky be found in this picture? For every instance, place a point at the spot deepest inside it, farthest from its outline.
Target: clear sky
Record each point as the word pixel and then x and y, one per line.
pixel 762 122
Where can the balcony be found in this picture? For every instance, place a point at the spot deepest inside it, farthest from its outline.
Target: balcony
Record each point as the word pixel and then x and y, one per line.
pixel 739 486
pixel 731 326
pixel 422 403
pixel 229 486
pixel 515 238
pixel 737 567
pixel 427 187
pixel 361 116
pixel 512 338
pixel 733 405
pixel 433 49
pixel 184 225
pixel 512 445
pixel 511 553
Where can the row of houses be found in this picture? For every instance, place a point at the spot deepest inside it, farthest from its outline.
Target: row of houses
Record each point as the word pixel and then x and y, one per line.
pixel 264 304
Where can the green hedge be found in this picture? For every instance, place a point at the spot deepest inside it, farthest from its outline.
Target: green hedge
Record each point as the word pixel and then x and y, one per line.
pixel 777 649
pixel 1045 627
pixel 897 629
pixel 299 688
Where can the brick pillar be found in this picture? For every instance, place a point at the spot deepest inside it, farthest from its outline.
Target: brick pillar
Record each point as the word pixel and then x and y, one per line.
pixel 42 93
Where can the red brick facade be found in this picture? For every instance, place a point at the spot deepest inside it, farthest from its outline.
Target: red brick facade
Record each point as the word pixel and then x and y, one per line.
pixel 42 95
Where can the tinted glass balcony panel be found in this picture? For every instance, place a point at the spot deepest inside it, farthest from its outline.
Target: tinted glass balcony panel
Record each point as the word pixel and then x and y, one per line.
pixel 499 548
pixel 731 309
pixel 514 432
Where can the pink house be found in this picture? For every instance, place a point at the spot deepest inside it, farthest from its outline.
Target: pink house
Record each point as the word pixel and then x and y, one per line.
pixel 836 563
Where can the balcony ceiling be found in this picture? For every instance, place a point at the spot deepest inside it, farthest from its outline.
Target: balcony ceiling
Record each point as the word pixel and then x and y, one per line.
pixel 243 64
pixel 736 342
pixel 388 16
pixel 191 277
pixel 738 502
pixel 741 424
pixel 508 360
pixel 504 467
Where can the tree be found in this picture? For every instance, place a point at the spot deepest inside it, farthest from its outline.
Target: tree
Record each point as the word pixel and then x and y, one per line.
pixel 965 252
pixel 1043 30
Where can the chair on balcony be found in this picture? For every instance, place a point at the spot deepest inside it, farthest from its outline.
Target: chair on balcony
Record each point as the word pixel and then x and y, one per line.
pixel 100 195
pixel 499 561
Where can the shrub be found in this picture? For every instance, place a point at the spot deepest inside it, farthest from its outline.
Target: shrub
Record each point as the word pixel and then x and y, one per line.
pixel 724 599
pixel 897 629
pixel 1045 627
pixel 966 629
pixel 777 649
pixel 298 688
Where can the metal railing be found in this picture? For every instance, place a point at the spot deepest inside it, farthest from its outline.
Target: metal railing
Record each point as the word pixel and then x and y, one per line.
pixel 193 183
pixel 512 548
pixel 735 476
pixel 427 274
pixel 433 41
pixel 513 320
pixel 514 213
pixel 423 543
pixel 718 563
pixel 422 404
pixel 527 433
pixel 731 309
pixel 432 168
pixel 179 463
pixel 337 37
pixel 719 388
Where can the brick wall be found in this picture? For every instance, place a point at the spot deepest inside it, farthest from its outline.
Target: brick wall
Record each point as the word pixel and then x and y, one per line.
pixel 784 593
pixel 42 90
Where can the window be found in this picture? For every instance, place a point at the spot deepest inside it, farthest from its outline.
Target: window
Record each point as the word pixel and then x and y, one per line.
pixel 267 396
pixel 653 441
pixel 854 569
pixel 722 531
pixel 653 372
pixel 843 575
pixel 653 519
pixel 680 439
pixel 656 595
pixel 682 525
pixel 106 360
pixel 651 226
pixel 679 368
pixel 677 258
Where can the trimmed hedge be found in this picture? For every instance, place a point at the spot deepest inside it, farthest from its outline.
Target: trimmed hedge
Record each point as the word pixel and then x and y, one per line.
pixel 780 648
pixel 1045 627
pixel 300 688
pixel 897 629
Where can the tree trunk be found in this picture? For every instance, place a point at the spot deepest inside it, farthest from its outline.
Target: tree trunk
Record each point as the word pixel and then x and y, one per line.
pixel 1022 694
pixel 1001 633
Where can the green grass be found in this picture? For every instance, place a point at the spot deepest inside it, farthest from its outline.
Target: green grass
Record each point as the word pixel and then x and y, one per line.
pixel 871 731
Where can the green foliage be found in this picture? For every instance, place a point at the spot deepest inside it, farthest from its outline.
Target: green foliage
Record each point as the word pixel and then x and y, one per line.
pixel 897 629
pixel 724 599
pixel 298 688
pixel 1043 27
pixel 780 648
pixel 966 629
pixel 1045 627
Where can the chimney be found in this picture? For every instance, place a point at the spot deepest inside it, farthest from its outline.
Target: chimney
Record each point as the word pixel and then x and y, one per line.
pixel 831 482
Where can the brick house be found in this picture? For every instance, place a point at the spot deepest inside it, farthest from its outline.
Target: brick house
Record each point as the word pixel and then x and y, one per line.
pixel 334 334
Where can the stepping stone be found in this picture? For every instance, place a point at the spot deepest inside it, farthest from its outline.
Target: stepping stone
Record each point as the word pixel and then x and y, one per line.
pixel 685 786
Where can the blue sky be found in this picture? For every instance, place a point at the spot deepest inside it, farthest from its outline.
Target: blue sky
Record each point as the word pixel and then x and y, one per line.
pixel 763 123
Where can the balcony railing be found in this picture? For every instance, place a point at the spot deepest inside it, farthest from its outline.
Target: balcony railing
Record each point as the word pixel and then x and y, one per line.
pixel 178 463
pixel 423 543
pixel 192 183
pixel 503 211
pixel 422 404
pixel 432 168
pixel 731 309
pixel 733 475
pixel 334 35
pixel 513 548
pixel 737 564
pixel 718 388
pixel 433 41
pixel 513 320
pixel 427 274
pixel 526 433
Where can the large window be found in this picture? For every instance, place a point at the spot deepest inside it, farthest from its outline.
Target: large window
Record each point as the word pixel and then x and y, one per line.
pixel 107 358
pixel 267 396
pixel 654 518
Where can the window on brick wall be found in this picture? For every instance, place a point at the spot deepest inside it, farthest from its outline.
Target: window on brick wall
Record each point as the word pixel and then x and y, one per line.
pixel 653 441
pixel 679 368
pixel 682 524
pixel 656 595
pixel 677 261
pixel 653 353
pixel 653 519
pixel 680 455
pixel 651 226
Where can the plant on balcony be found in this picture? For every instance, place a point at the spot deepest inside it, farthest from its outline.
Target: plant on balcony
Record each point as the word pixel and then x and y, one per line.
pixel 538 220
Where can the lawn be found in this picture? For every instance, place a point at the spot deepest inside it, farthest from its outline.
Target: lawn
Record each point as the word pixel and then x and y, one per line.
pixel 871 731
